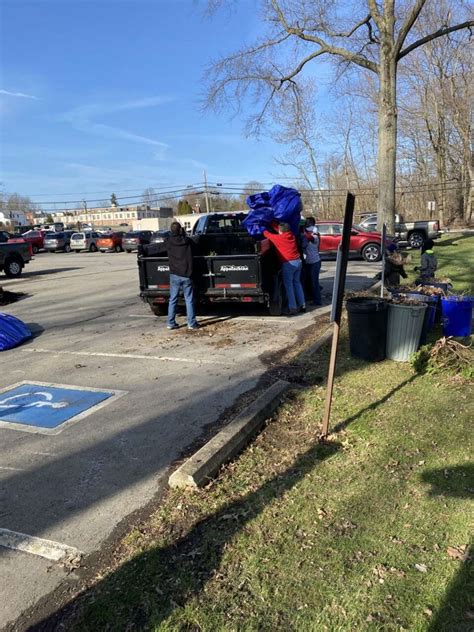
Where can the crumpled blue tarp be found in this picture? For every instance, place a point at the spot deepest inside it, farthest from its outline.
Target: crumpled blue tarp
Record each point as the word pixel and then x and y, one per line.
pixel 12 332
pixel 281 204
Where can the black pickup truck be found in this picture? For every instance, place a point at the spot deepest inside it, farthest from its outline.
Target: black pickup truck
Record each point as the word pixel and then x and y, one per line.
pixel 14 255
pixel 229 266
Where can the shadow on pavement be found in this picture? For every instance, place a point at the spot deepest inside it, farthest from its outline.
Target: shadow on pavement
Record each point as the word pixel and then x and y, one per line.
pixel 456 613
pixel 181 570
pixel 48 271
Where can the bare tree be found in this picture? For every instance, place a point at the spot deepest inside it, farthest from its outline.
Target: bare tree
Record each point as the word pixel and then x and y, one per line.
pixel 149 196
pixel 375 39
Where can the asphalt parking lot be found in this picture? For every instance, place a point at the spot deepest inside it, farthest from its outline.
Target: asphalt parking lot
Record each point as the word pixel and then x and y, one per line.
pixel 144 395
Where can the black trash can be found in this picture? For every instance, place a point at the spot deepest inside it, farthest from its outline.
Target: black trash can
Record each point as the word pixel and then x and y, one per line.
pixel 367 327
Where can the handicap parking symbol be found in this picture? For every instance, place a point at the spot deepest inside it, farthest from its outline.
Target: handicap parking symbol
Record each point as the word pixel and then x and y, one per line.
pixel 40 407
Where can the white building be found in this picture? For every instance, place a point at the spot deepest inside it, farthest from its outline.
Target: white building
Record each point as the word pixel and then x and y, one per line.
pixel 11 219
pixel 111 216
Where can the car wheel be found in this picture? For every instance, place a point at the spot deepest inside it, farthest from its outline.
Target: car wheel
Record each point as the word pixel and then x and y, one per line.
pixel 118 248
pixel 93 248
pixel 416 240
pixel 67 248
pixel 275 303
pixel 371 252
pixel 13 267
pixel 35 249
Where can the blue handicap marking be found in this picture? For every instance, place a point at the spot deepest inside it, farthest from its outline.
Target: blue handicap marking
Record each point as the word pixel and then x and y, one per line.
pixel 47 406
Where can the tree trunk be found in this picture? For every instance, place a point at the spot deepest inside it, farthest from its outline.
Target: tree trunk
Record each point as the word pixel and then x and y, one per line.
pixel 387 138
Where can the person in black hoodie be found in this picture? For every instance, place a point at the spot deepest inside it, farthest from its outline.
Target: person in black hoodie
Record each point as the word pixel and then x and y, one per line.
pixel 180 257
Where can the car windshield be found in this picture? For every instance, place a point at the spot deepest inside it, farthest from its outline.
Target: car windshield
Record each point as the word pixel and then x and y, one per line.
pixel 131 235
pixel 53 235
pixel 78 236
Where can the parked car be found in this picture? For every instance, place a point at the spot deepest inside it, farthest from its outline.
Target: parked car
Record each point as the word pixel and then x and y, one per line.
pixel 136 238
pixel 58 241
pixel 84 241
pixel 363 243
pixel 110 242
pixel 35 238
pixel 14 255
pixel 412 233
pixel 160 236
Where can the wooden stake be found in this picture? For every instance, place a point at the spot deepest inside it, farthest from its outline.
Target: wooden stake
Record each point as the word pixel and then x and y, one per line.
pixel 337 307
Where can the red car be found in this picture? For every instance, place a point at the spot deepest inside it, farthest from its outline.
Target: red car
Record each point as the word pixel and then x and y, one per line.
pixel 366 244
pixel 110 242
pixel 35 238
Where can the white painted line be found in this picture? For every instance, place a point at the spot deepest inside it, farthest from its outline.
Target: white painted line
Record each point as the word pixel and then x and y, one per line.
pixel 10 469
pixel 132 356
pixel 48 549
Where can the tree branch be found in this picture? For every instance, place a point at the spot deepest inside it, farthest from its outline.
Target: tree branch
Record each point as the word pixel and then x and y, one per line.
pixel 407 25
pixel 346 54
pixel 374 12
pixel 428 38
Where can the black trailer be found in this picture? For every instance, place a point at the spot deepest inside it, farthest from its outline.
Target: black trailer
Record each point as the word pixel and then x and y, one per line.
pixel 229 266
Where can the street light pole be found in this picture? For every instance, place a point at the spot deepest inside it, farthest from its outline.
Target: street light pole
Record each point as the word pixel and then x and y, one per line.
pixel 206 192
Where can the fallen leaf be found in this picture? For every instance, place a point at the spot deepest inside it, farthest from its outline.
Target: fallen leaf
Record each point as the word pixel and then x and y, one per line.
pixel 428 612
pixel 421 567
pixel 457 552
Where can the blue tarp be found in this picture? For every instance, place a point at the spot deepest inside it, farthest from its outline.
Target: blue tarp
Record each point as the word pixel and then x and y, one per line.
pixel 12 332
pixel 280 204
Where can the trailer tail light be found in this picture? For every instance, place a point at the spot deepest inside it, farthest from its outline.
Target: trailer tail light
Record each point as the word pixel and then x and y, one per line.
pixel 247 299
pixel 30 249
pixel 221 286
pixel 163 287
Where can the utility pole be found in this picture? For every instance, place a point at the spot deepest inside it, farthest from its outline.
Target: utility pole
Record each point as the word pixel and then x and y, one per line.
pixel 206 192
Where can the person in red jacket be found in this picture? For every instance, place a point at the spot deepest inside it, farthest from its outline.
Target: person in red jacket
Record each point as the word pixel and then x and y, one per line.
pixel 288 253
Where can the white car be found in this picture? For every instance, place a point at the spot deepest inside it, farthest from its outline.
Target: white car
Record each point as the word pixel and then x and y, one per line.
pixel 84 241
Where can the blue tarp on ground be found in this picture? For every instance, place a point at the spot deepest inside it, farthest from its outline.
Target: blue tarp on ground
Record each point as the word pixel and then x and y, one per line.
pixel 280 204
pixel 12 332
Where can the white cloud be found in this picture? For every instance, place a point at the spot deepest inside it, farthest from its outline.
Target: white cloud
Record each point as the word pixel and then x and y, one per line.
pixel 82 119
pixel 22 95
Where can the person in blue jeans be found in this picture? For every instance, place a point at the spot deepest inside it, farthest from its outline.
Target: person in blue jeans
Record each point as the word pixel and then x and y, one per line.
pixel 291 265
pixel 312 258
pixel 180 258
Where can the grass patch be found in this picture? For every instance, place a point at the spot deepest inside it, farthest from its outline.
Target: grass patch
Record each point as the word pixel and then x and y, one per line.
pixel 366 531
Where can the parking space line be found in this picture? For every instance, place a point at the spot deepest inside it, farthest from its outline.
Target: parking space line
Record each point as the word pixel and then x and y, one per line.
pixel 54 551
pixel 130 356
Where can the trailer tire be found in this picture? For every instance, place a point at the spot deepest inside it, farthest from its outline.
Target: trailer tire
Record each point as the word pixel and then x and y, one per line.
pixel 159 309
pixel 275 303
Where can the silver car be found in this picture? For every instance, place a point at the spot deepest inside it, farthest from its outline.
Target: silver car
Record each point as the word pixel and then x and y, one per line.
pixel 84 241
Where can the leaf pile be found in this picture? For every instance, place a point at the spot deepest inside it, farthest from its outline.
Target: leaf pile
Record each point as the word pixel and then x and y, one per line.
pixel 445 356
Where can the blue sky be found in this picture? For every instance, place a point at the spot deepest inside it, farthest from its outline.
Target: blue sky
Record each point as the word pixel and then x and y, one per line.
pixel 104 96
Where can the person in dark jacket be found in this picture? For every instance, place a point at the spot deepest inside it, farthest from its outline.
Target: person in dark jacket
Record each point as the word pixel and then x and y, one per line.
pixel 394 262
pixel 429 263
pixel 180 258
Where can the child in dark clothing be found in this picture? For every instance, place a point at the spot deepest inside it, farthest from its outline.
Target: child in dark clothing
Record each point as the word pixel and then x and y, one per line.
pixel 429 263
pixel 394 262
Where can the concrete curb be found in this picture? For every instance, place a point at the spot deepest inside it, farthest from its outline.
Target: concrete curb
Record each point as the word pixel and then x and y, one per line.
pixel 199 468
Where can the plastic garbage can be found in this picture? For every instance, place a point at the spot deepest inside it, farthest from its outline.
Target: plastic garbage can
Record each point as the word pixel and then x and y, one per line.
pixel 367 328
pixel 404 327
pixel 457 315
